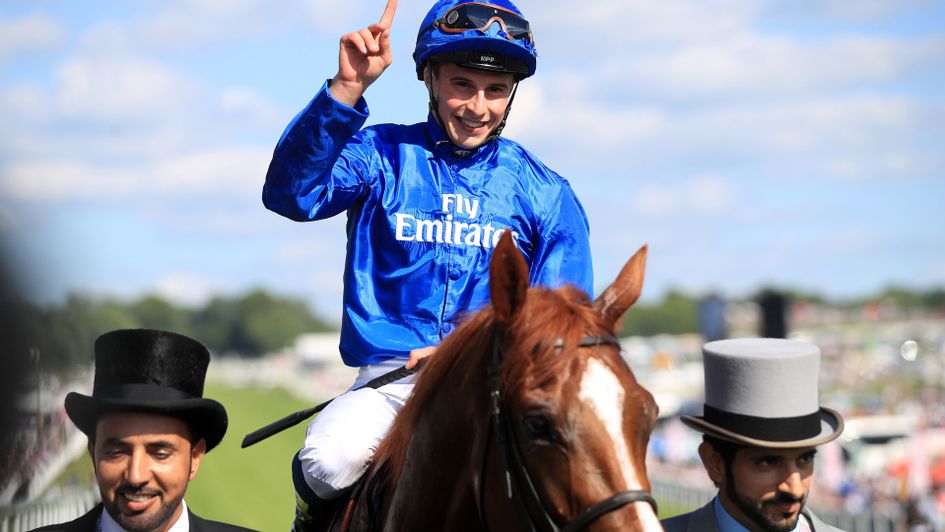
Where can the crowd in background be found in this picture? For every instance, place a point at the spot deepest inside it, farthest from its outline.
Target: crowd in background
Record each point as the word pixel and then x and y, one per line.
pixel 884 370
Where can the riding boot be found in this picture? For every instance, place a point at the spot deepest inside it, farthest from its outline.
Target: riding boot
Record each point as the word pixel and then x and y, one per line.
pixel 313 516
pixel 312 513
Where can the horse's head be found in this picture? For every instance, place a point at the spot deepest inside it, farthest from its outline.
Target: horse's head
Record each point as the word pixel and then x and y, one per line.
pixel 579 421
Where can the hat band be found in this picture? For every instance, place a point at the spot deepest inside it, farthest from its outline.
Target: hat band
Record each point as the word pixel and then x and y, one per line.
pixel 142 392
pixel 779 429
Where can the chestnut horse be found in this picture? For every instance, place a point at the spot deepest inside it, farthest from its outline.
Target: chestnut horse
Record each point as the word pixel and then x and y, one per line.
pixel 526 418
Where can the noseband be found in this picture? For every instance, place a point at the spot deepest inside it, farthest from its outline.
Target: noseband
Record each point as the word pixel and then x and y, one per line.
pixel 517 478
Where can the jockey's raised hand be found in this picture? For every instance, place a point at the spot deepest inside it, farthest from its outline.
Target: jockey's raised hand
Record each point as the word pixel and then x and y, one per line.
pixel 363 56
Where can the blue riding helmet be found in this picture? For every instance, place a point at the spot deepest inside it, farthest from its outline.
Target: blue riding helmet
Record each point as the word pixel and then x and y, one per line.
pixel 471 36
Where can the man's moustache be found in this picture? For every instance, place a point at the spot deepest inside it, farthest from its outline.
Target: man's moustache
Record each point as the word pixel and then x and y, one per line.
pixel 134 490
pixel 782 498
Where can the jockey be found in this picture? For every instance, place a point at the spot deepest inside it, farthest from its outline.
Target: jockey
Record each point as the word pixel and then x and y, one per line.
pixel 426 204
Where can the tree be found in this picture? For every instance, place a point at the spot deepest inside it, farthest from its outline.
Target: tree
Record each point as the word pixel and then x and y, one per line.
pixel 254 324
pixel 153 312
pixel 676 314
pixel 65 335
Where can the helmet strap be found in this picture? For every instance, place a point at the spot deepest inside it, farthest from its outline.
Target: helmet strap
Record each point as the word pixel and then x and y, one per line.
pixel 434 106
pixel 508 108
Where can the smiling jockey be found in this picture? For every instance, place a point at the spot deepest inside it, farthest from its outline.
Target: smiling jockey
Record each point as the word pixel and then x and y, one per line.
pixel 426 204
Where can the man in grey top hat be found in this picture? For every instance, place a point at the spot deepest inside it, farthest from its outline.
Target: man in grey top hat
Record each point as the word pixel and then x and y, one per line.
pixel 149 427
pixel 761 425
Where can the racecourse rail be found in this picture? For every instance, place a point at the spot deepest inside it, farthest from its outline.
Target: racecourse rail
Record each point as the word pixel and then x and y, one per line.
pixel 67 507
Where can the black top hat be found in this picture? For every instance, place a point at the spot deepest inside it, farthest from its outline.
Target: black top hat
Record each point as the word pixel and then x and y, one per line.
pixel 144 370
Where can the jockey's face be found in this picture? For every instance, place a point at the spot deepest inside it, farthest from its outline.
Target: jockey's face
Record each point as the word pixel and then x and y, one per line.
pixel 470 103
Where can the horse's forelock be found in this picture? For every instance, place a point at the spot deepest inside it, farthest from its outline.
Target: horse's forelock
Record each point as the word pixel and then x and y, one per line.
pixel 549 315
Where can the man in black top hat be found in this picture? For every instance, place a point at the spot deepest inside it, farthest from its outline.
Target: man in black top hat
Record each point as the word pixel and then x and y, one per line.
pixel 761 425
pixel 149 428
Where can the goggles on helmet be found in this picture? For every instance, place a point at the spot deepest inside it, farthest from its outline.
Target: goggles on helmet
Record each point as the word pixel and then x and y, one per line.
pixel 479 16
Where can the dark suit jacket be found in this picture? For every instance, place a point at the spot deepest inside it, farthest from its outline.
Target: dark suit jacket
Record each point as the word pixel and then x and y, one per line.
pixel 88 522
pixel 703 520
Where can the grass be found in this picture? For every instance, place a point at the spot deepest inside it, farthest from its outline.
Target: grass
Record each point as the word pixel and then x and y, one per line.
pixel 249 487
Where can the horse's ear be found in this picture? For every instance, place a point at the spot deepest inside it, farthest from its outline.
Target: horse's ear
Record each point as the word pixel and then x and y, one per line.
pixel 624 291
pixel 508 279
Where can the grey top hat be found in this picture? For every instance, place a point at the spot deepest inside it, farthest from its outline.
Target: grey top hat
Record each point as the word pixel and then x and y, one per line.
pixel 763 392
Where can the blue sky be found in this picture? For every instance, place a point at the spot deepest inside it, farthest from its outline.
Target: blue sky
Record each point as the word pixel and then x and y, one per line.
pixel 797 143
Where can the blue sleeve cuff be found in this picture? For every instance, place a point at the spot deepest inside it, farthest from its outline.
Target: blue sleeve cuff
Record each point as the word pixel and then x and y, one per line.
pixel 360 108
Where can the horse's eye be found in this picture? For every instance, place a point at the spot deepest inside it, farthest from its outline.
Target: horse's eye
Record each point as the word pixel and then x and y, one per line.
pixel 539 427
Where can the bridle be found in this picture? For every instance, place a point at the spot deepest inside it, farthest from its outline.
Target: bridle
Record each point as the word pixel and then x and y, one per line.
pixel 517 478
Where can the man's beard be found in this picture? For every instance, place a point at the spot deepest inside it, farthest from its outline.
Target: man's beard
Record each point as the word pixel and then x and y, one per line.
pixel 753 509
pixel 143 522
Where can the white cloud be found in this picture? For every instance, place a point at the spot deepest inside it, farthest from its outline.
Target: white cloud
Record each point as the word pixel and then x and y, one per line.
pixel 700 195
pixel 889 163
pixel 220 172
pixel 853 137
pixel 849 241
pixel 189 24
pixel 186 289
pixel 307 250
pixel 29 34
pixel 844 10
pixel 183 25
pixel 711 194
pixel 111 122
pixel 118 87
pixel 24 100
pixel 635 22
pixel 336 18
pixel 564 109
pixel 759 67
pixel 692 50
pixel 934 273
pixel 56 181
pixel 873 137
pixel 249 106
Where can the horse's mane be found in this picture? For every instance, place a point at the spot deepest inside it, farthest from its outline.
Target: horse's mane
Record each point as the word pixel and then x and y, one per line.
pixel 547 315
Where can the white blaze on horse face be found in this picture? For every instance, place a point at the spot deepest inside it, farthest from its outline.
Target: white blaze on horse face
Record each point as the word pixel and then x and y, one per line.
pixel 602 392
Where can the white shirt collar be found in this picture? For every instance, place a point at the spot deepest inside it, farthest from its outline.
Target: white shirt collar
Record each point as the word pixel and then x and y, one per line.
pixel 107 524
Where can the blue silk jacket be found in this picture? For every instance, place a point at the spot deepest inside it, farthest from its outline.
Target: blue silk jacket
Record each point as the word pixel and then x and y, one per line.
pixel 422 220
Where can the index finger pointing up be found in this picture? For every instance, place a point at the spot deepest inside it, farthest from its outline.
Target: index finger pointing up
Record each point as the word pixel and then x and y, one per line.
pixel 388 15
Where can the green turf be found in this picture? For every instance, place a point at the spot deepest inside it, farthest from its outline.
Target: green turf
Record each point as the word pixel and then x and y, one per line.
pixel 250 487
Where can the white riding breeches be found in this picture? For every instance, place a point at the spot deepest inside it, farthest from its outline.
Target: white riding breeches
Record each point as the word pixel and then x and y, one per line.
pixel 343 437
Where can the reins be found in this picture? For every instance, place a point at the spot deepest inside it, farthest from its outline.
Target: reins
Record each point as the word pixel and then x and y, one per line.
pixel 516 477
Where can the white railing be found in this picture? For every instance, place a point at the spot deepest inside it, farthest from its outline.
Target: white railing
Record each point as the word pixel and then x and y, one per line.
pixel 20 518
